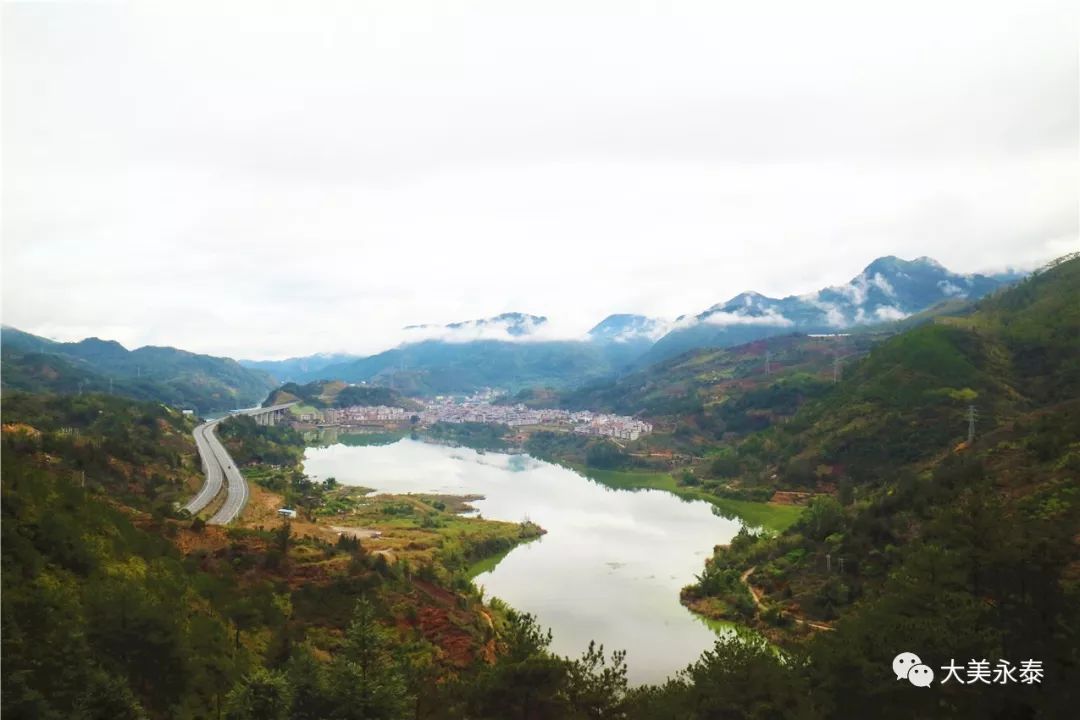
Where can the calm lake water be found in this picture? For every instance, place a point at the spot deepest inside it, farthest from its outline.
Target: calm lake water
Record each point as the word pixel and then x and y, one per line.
pixel 610 567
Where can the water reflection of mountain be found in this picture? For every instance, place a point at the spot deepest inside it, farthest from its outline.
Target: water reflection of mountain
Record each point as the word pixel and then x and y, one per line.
pixel 327 436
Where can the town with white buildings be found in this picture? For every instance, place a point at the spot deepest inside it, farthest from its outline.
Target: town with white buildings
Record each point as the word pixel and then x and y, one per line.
pixel 481 410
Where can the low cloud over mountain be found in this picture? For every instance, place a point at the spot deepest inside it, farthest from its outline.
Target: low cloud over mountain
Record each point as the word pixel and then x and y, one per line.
pixel 888 289
pixel 517 348
pixel 509 327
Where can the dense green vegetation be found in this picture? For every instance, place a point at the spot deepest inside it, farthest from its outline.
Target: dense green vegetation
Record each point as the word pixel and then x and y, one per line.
pixel 163 374
pixel 960 550
pixel 709 396
pixel 135 452
pixel 907 401
pixel 98 606
pixel 249 442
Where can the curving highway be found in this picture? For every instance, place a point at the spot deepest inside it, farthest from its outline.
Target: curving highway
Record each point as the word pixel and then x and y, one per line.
pixel 236 489
pixel 211 467
pixel 222 471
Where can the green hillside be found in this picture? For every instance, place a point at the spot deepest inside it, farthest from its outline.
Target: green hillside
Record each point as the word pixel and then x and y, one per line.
pixel 922 540
pixel 175 377
pixel 434 367
pixel 337 394
pixel 703 380
pixel 115 606
pixel 908 400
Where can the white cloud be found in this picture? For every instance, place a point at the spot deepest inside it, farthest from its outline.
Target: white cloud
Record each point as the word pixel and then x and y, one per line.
pixel 952 289
pixel 654 331
pixel 833 315
pixel 885 313
pixel 529 329
pixel 769 317
pixel 855 291
pixel 882 283
pixel 233 180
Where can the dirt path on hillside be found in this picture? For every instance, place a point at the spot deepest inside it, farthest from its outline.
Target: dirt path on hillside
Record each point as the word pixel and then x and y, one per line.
pixel 756 595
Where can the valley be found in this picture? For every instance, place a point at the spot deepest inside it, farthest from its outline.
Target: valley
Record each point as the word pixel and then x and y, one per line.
pixel 539 361
pixel 792 508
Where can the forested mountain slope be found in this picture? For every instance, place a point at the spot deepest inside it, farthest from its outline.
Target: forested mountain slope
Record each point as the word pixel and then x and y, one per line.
pixel 909 399
pixel 926 542
pixel 114 605
pixel 175 377
pixel 438 367
pixel 335 393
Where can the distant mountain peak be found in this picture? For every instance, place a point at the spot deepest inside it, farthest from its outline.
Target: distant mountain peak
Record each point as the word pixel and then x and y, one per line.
pixel 625 327
pixel 926 260
pixel 516 324
pixel 505 326
pixel 889 288
pixel 891 264
pixel 98 342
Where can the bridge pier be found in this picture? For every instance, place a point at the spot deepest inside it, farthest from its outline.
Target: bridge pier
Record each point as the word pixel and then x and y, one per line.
pixel 269 417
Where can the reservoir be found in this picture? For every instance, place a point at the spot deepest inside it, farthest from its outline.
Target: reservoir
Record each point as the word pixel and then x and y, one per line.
pixel 609 568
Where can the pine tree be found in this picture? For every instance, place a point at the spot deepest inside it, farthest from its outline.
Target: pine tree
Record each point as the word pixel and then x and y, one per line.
pixel 366 679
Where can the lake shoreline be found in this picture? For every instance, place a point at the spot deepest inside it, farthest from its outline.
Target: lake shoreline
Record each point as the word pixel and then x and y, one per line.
pixel 769 517
pixel 610 567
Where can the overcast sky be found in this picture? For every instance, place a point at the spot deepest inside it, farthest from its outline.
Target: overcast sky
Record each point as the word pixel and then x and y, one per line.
pixel 237 180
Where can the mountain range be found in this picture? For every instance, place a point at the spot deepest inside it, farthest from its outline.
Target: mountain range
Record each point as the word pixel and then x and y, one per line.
pixel 888 289
pixel 517 350
pixel 165 374
pixel 512 351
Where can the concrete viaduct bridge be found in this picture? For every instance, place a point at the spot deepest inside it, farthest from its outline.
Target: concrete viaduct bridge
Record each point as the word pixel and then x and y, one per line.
pixel 221 471
pixel 268 416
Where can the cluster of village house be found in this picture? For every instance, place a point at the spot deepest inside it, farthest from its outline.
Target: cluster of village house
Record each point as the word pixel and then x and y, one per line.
pixel 475 410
